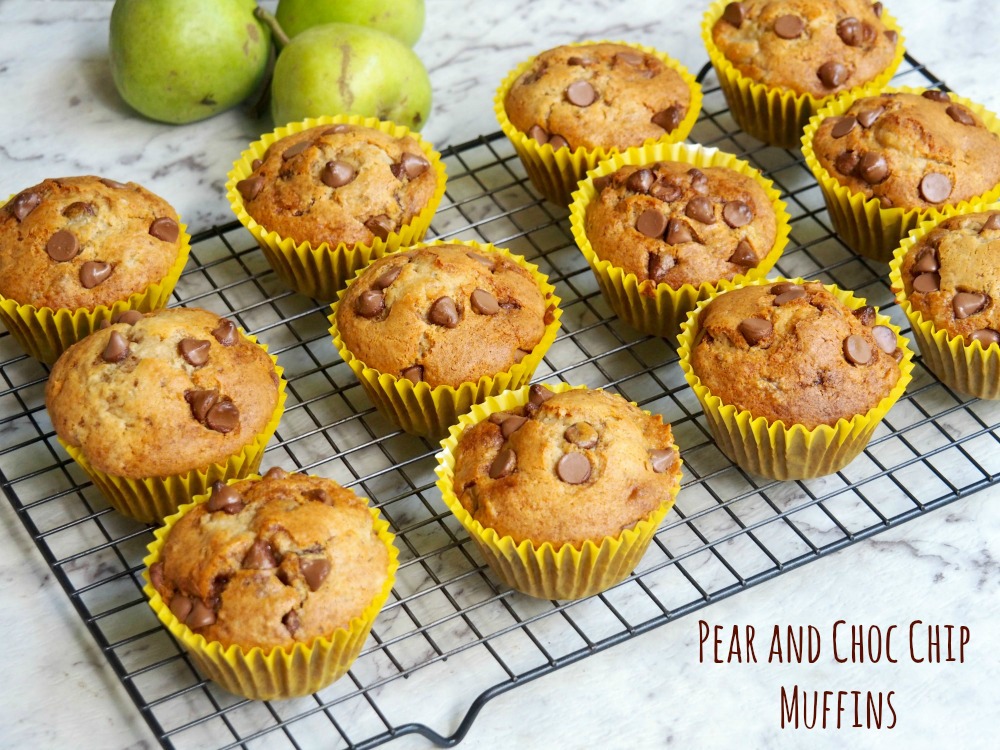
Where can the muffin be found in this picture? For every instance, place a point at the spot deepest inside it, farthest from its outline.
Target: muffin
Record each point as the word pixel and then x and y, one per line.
pixel 662 225
pixel 561 489
pixel 946 276
pixel 793 376
pixel 571 106
pixel 778 61
pixel 156 408
pixel 888 160
pixel 324 196
pixel 272 584
pixel 77 251
pixel 431 330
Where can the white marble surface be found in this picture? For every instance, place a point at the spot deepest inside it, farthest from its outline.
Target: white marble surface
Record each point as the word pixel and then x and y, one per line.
pixel 62 116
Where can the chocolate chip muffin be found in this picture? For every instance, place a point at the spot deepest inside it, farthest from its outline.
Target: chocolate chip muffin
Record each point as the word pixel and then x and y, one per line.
pixel 339 184
pixel 808 46
pixel 794 353
pixel 443 314
pixel 672 223
pixel 272 562
pixel 597 95
pixel 565 467
pixel 161 394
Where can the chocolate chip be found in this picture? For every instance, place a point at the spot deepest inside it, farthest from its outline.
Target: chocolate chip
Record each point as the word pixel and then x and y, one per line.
pixel 504 464
pixel 926 282
pixel 156 575
pixel 991 224
pixel 275 472
pixel 93 272
pixel 737 214
pixel 444 312
pixel 936 95
pixel 295 149
pixel 223 498
pixel 181 606
pixel 755 330
pixel 678 232
pixel 892 36
pixel 866 315
pixel 846 162
pixel 789 294
pixel 734 14
pixel 62 246
pixel 319 495
pixel 670 118
pixel 573 468
pixel 873 168
pixel 370 303
pixel 935 187
pixel 194 351
pixel 577 60
pixel 639 181
pixel 488 262
pixel 413 373
pixel 651 223
pixel 665 191
pixel 339 128
pixel 77 209
pixel 662 459
pixel 581 434
pixel 783 286
pixel 337 173
pixel 557 142
pixel 539 133
pixel 699 182
pixel 843 126
pixel 314 571
pixel 223 417
pixel 511 424
pixel 23 204
pixel 629 57
pixel 968 303
pixel 986 337
pixel 960 115
pixel 659 266
pixel 225 333
pixel 164 228
pixel 877 9
pixel 850 32
pixel 700 209
pixel 790 27
pixel 260 556
pixel 832 74
pixel 927 261
pixel 413 165
pixel 539 394
pixel 113 184
pixel 255 165
pixel 116 349
pixel 250 187
pixel 484 303
pixel 601 182
pixel 744 255
pixel 201 401
pixel 857 350
pixel 885 337
pixel 868 116
pixel 201 616
pixel 381 226
pixel 386 278
pixel 581 94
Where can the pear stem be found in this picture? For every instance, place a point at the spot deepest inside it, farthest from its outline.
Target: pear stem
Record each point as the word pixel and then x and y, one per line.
pixel 280 37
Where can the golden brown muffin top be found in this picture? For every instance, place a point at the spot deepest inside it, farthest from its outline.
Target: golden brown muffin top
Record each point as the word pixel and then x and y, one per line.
pixel 671 223
pixel 910 150
pixel 73 242
pixel 161 394
pixel 794 353
pixel 566 467
pixel 597 96
pixel 442 314
pixel 339 183
pixel 818 47
pixel 272 562
pixel 952 276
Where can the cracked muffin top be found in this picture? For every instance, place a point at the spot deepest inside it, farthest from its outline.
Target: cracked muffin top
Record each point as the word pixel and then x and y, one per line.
pixel 339 184
pixel 794 353
pixel 598 95
pixel 162 394
pixel 272 562
pixel 815 47
pixel 80 242
pixel 442 314
pixel 952 276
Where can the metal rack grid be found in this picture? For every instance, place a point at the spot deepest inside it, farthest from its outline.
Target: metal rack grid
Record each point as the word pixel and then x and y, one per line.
pixel 448 618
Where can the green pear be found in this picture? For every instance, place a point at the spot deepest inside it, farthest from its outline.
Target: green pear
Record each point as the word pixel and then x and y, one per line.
pixel 404 19
pixel 184 60
pixel 340 68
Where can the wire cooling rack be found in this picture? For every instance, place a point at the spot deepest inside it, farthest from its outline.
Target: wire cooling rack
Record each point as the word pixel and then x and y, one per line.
pixel 449 622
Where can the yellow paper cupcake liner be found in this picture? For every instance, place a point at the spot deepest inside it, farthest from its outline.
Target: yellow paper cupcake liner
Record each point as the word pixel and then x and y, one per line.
pixel 420 409
pixel 659 309
pixel 45 333
pixel 862 223
pixel 150 499
pixel 555 173
pixel 546 571
pixel 320 272
pixel 772 449
pixel 278 673
pixel 964 367
pixel 774 115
